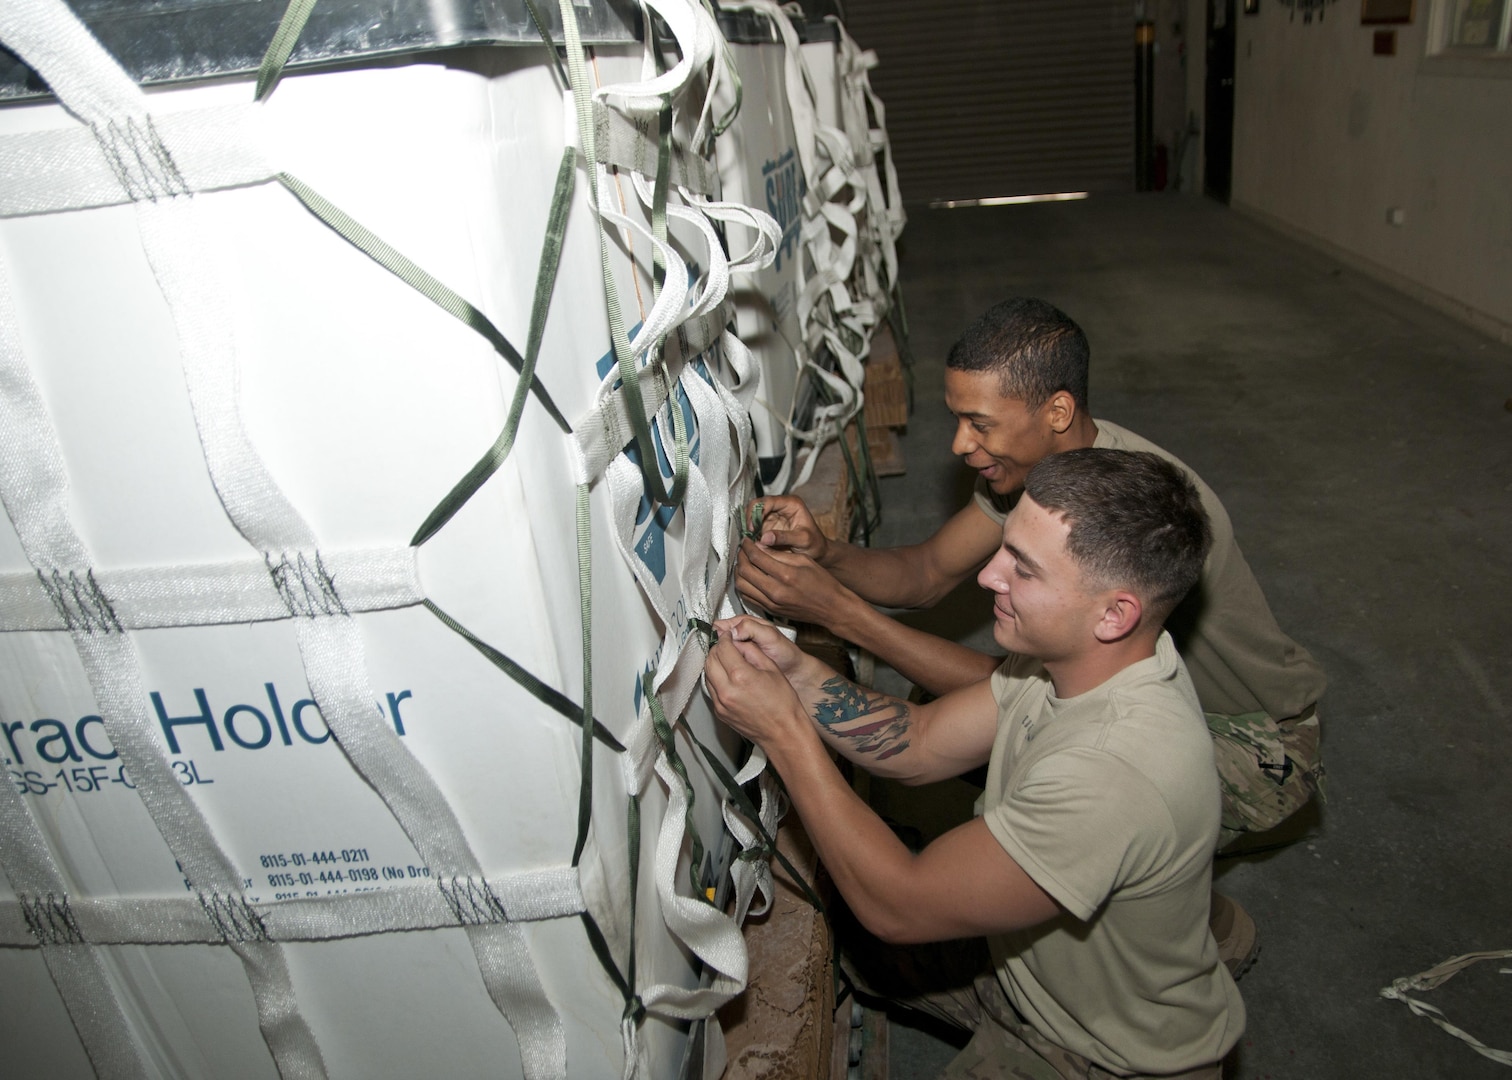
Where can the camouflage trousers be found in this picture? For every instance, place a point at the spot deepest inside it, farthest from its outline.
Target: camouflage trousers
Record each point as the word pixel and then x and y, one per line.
pixel 1267 769
pixel 953 981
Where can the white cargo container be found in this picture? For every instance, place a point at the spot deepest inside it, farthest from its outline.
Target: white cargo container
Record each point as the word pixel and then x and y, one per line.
pixel 222 425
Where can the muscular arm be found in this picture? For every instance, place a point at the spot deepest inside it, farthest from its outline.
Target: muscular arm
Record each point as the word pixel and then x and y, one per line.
pixel 795 586
pixel 887 736
pixel 918 575
pixel 962 885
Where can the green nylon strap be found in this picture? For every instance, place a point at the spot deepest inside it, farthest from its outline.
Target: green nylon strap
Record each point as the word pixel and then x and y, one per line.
pixel 546 695
pixel 634 1010
pixel 722 125
pixel 601 950
pixel 535 17
pixel 551 258
pixel 744 804
pixel 406 271
pixel 661 188
pixel 897 318
pixel 585 614
pixel 284 38
pixel 751 526
pixel 629 375
pixel 669 747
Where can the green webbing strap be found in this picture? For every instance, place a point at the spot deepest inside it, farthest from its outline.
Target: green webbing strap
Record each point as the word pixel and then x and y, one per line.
pixel 289 28
pixel 585 614
pixel 629 375
pixel 634 1010
pixel 897 317
pixel 417 279
pixel 723 123
pixel 546 274
pixel 743 803
pixel 659 192
pixel 669 747
pixel 556 59
pixel 864 477
pixel 751 526
pixel 546 695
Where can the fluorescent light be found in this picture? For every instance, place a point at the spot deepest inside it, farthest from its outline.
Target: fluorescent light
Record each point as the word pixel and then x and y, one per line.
pixel 1007 200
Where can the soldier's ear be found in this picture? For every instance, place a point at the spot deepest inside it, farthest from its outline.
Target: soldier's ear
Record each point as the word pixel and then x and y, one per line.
pixel 1060 411
pixel 1122 614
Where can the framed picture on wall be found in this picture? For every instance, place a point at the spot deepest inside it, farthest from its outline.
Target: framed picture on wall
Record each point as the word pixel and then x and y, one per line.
pixel 1384 11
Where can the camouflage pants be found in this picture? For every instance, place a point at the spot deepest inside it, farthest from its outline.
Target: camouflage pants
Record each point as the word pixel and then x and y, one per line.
pixel 1267 769
pixel 953 981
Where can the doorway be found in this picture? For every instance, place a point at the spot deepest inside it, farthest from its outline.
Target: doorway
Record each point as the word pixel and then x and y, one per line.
pixel 1218 142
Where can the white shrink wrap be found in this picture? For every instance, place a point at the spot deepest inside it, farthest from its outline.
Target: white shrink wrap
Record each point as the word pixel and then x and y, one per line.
pixel 222 426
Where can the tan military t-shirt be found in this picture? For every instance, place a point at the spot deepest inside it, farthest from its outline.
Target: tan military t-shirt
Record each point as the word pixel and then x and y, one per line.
pixel 1109 801
pixel 1239 658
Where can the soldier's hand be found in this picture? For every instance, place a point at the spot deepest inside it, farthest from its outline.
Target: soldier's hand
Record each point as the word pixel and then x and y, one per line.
pixel 788 583
pixel 786 523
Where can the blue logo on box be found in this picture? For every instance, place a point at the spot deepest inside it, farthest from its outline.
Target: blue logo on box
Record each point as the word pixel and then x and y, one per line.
pixel 651 520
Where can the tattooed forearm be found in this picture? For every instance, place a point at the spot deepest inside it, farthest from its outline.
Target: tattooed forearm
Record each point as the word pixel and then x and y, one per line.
pixel 872 722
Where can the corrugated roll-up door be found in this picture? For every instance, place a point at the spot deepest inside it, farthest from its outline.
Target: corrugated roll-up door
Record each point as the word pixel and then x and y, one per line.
pixel 1003 97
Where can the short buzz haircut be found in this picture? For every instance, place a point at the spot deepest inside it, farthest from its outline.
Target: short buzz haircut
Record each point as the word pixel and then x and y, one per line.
pixel 1136 521
pixel 1034 348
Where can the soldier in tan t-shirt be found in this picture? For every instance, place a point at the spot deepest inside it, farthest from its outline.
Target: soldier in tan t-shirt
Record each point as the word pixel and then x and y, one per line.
pixel 1017 383
pixel 1088 870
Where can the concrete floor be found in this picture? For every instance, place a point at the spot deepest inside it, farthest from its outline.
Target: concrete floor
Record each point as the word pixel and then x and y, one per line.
pixel 1363 446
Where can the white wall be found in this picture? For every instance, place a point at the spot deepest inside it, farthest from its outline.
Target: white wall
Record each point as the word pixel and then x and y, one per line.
pixel 1327 137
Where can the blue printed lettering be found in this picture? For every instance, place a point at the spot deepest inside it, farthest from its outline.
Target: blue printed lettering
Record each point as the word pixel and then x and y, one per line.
pixel 59 734
pixel 393 703
pixel 785 188
pixel 283 728
pixel 10 737
pixel 649 537
pixel 170 722
pixel 294 714
pixel 230 722
pixel 84 722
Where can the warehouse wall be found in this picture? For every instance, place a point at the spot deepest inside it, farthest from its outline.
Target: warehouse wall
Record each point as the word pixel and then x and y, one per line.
pixel 1328 138
pixel 989 98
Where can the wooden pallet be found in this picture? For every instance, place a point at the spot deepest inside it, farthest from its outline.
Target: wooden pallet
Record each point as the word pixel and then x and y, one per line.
pixel 782 1027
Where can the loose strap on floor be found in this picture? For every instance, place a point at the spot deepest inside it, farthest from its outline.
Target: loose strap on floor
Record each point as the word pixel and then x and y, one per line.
pixel 1436 976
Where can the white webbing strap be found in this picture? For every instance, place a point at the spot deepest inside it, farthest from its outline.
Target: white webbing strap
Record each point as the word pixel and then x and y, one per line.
pixel 885 214
pixel 633 142
pixel 50 915
pixel 330 644
pixel 76 968
pixel 34 490
pixel 1436 976
pixel 94 87
pixel 695 33
pixel 43 172
pixel 603 433
pixel 211 594
pixel 749 874
pixel 712 935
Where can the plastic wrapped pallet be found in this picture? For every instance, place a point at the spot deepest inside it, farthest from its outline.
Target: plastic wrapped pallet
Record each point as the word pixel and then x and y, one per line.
pixel 758 164
pixel 296 783
pixel 849 213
